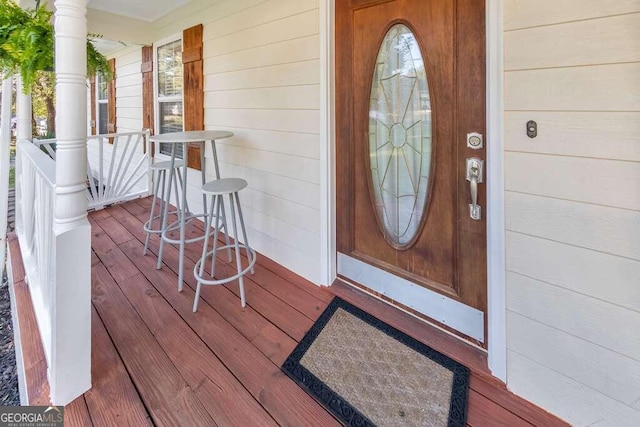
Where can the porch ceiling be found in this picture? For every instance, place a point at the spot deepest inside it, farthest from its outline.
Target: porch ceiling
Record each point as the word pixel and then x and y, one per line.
pixel 145 10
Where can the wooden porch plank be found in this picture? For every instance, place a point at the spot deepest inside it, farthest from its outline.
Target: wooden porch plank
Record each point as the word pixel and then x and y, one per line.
pixel 221 393
pixel 76 413
pixel 224 397
pixel 115 262
pixel 271 343
pixel 483 412
pixel 117 232
pixel 319 292
pixel 112 399
pixel 498 393
pixel 167 397
pixel 284 400
pixel 251 324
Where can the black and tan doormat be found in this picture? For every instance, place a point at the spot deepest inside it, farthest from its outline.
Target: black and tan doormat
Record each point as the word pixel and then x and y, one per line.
pixel 368 373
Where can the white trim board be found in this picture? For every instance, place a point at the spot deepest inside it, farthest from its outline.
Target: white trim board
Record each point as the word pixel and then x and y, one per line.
pixel 496 239
pixel 328 268
pixel 496 291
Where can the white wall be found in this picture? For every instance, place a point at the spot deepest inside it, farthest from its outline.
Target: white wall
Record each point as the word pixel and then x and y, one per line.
pixel 573 207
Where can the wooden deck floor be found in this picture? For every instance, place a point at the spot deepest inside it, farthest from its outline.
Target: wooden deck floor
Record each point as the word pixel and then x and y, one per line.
pixel 156 362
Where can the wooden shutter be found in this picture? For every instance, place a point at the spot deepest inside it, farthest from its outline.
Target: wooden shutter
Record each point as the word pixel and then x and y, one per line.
pixel 92 88
pixel 147 90
pixel 193 88
pixel 111 93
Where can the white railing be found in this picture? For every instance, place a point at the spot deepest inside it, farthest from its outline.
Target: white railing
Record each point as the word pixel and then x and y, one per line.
pixel 57 257
pixel 118 166
pixel 34 225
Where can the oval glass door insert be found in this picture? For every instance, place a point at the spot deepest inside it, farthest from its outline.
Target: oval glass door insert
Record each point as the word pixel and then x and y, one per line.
pixel 400 137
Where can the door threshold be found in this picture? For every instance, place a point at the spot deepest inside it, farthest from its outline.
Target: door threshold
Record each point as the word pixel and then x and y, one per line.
pixel 435 336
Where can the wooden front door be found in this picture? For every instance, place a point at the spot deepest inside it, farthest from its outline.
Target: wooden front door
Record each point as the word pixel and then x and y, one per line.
pixel 410 93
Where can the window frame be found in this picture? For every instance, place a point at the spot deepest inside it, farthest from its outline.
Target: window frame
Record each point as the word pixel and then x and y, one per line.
pixel 156 98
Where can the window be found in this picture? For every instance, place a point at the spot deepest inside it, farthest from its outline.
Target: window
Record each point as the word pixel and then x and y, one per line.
pixel 102 107
pixel 169 92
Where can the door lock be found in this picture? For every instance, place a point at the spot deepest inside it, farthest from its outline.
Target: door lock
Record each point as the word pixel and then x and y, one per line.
pixel 475 169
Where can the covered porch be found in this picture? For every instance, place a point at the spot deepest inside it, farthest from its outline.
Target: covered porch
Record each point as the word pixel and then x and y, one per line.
pixel 154 361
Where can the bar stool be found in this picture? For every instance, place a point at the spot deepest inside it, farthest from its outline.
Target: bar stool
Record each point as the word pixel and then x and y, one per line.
pixel 217 190
pixel 159 170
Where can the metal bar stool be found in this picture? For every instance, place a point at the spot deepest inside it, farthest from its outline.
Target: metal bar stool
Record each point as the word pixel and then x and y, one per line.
pixel 217 190
pixel 159 169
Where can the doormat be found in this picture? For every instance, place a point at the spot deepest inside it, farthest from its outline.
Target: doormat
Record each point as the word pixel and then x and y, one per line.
pixel 368 373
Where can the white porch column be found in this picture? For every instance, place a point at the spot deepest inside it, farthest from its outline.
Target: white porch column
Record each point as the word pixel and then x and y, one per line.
pixel 5 139
pixel 70 369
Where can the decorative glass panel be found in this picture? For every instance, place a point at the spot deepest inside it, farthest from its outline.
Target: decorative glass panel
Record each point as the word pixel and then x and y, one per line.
pixel 400 137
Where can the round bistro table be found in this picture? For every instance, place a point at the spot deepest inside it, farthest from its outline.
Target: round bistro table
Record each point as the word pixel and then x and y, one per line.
pixel 185 138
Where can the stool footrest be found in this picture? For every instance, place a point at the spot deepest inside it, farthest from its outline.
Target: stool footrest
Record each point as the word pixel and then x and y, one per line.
pixel 147 225
pixel 204 281
pixel 175 226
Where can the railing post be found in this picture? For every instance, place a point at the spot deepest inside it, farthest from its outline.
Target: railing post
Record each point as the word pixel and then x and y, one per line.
pixel 5 139
pixel 23 132
pixel 70 367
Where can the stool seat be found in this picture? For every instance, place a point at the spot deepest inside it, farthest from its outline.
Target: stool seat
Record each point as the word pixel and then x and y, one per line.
pixel 224 186
pixel 166 165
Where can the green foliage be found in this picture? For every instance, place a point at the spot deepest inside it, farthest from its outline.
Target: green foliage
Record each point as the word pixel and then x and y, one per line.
pixel 27 43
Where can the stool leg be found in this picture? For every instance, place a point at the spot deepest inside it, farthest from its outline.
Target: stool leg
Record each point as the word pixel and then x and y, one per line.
pixel 165 215
pixel 215 200
pixel 153 205
pixel 203 259
pixel 226 230
pixel 237 247
pixel 244 232
pixel 179 175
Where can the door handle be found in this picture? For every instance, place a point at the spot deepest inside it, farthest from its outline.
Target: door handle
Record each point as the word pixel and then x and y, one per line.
pixel 475 168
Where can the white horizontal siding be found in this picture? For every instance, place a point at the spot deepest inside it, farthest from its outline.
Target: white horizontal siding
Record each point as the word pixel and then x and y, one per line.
pixel 521 14
pixel 575 43
pixel 129 89
pixel 612 373
pixel 554 263
pixel 613 136
pixel 573 207
pixel 295 50
pixel 598 181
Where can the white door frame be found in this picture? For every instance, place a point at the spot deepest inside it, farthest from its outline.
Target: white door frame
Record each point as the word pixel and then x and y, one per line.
pixel 496 295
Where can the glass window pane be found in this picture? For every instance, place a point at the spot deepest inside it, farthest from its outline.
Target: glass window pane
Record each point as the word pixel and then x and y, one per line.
pixel 102 87
pixel 170 69
pixel 170 121
pixel 400 139
pixel 103 117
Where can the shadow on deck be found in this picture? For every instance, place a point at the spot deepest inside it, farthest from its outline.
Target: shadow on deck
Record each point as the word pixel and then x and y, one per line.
pixel 154 361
